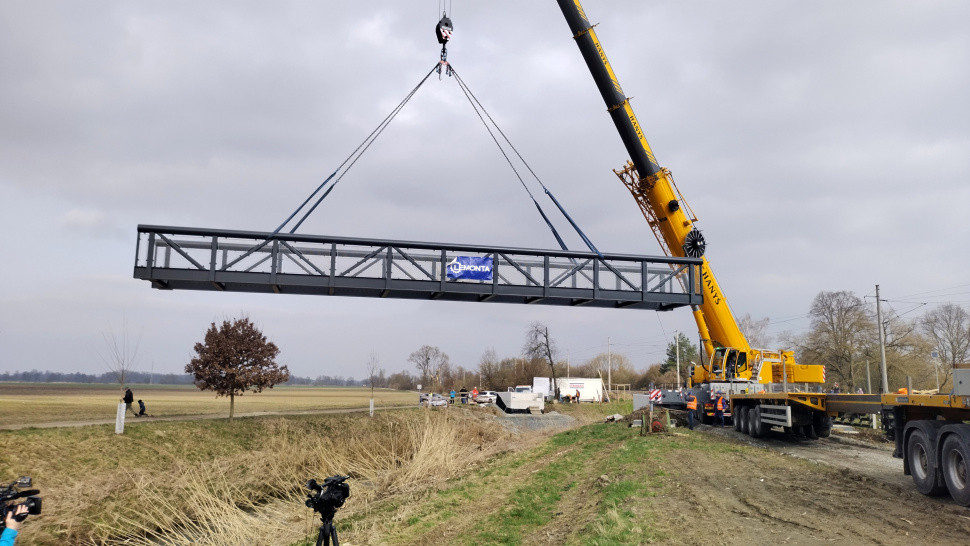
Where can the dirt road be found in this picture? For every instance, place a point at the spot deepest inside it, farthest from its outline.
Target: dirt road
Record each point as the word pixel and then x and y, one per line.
pixel 856 493
pixel 842 450
pixel 129 421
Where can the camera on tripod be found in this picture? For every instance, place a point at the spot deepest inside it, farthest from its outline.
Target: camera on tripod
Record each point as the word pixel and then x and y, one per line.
pixel 15 490
pixel 325 498
pixel 328 496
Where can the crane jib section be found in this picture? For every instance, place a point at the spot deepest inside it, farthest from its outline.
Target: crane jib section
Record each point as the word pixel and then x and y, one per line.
pixel 652 186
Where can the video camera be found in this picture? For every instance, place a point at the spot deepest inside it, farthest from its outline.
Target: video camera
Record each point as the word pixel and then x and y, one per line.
pixel 328 496
pixel 325 498
pixel 15 490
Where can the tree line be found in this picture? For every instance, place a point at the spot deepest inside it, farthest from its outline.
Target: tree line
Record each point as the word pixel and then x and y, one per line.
pixel 843 336
pixel 150 378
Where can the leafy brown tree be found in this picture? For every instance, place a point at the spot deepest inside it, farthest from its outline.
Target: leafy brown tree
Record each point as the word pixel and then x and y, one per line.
pixel 236 357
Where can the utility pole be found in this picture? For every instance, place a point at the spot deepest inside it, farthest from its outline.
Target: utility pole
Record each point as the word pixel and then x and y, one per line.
pixel 677 345
pixel 882 344
pixel 567 364
pixel 868 379
pixel 609 364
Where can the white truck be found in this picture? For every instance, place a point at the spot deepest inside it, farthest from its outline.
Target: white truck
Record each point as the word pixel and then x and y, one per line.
pixel 589 389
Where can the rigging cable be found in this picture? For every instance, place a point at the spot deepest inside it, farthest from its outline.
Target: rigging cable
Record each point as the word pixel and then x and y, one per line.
pixel 479 110
pixel 351 159
pixel 476 105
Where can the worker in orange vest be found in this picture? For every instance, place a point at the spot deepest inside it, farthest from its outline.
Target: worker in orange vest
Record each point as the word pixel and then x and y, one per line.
pixel 720 406
pixel 691 408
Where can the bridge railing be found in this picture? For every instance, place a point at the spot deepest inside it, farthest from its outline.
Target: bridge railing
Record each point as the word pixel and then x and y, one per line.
pixel 191 258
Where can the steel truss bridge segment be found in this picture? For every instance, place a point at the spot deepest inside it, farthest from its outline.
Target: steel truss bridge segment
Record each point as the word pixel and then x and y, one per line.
pixel 176 258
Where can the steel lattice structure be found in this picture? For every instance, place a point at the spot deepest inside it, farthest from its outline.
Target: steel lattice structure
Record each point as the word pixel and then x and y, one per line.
pixel 244 261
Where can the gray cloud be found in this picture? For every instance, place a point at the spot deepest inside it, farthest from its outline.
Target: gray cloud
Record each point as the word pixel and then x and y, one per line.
pixel 823 146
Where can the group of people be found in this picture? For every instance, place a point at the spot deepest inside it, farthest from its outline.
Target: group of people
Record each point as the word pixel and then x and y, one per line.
pixel 128 399
pixel 721 405
pixel 463 395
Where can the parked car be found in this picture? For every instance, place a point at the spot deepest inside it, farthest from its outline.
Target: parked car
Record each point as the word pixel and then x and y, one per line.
pixel 436 399
pixel 486 397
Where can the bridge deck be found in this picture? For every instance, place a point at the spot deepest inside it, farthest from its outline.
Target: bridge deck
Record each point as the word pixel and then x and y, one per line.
pixel 240 261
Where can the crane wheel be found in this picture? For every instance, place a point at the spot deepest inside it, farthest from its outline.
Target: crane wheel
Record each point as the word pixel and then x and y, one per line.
pixel 743 418
pixel 821 425
pixel 736 418
pixel 921 464
pixel 755 429
pixel 955 470
pixel 810 431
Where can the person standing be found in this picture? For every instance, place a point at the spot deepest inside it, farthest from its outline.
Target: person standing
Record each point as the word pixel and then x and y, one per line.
pixel 691 408
pixel 128 399
pixel 464 395
pixel 719 407
pixel 452 394
pixel 474 393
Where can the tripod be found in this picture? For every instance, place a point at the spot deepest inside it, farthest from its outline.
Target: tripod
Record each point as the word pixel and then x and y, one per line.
pixel 327 530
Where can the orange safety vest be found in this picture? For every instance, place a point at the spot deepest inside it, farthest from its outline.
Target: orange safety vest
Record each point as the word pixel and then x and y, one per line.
pixel 720 403
pixel 692 402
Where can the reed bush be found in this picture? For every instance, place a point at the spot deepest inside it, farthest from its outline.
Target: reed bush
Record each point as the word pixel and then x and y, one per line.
pixel 242 483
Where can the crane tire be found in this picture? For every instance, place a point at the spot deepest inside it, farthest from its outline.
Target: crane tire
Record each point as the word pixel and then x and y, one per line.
pixel 744 419
pixel 921 464
pixel 822 425
pixel 956 471
pixel 736 418
pixel 754 422
pixel 810 431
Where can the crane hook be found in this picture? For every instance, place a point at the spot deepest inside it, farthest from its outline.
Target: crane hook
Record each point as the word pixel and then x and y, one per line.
pixel 443 31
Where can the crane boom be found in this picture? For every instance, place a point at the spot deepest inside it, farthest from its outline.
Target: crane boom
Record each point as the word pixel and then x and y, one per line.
pixel 653 188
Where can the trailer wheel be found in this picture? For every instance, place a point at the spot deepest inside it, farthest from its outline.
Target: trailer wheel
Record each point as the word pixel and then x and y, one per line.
pixel 743 419
pixel 822 425
pixel 955 473
pixel 921 466
pixel 754 422
pixel 736 418
pixel 810 431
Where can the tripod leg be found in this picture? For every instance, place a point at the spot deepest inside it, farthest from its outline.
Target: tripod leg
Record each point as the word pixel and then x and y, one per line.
pixel 322 534
pixel 333 533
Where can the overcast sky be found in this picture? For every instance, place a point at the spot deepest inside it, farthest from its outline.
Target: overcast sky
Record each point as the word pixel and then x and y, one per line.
pixel 823 146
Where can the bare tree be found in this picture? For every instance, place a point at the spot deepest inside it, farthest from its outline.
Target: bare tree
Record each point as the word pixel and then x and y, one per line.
pixel 948 329
pixel 431 362
pixel 119 354
pixel 540 345
pixel 234 358
pixel 488 368
pixel 755 331
pixel 841 326
pixel 374 371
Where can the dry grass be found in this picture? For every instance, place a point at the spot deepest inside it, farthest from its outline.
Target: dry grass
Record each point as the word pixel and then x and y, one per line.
pixel 39 403
pixel 240 483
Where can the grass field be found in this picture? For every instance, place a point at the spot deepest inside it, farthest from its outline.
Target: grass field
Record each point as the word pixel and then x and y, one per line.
pixel 41 403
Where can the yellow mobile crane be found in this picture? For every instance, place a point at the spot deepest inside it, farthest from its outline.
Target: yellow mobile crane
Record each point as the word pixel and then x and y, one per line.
pixel 733 366
pixel 767 388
